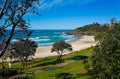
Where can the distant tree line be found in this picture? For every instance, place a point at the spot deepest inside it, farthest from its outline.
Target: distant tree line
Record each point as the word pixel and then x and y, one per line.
pixel 95 28
pixel 90 29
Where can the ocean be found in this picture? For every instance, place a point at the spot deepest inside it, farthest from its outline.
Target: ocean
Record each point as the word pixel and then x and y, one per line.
pixel 48 37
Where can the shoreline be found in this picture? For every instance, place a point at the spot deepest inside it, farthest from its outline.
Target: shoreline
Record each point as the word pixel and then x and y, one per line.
pixel 79 44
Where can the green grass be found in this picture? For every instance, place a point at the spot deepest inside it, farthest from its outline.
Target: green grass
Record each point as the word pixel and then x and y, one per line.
pixel 74 70
pixel 34 65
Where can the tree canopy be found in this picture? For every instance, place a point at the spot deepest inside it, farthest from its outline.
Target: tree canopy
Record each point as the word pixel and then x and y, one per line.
pixel 61 47
pixel 24 48
pixel 106 56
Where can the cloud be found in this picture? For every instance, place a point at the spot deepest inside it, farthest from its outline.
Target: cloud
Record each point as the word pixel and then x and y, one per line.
pixel 47 4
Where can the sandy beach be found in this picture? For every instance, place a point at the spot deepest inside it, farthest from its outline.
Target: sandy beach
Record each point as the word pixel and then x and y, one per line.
pixel 82 43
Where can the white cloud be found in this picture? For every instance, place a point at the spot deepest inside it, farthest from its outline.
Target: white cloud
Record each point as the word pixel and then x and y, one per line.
pixel 47 4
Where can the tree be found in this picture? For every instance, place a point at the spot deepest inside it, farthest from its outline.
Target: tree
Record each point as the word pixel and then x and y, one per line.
pixel 106 62
pixel 24 48
pixel 113 20
pixel 61 47
pixel 11 16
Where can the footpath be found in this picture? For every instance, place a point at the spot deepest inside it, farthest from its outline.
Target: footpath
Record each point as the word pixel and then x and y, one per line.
pixel 23 75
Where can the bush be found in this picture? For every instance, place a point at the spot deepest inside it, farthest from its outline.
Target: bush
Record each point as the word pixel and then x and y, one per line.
pixel 9 72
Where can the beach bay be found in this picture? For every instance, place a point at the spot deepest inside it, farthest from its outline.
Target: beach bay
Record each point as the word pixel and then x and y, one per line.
pixel 81 43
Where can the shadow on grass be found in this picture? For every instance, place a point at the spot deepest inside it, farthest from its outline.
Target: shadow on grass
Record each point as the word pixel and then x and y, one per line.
pixel 7 73
pixel 79 57
pixel 69 76
pixel 64 76
pixel 49 63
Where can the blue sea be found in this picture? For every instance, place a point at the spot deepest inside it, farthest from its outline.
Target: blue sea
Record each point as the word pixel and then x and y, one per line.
pixel 48 37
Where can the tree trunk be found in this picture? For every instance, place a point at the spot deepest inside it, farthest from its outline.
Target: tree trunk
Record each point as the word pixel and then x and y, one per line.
pixel 2 60
pixel 8 41
pixel 26 62
pixel 10 37
pixel 22 64
pixel 59 57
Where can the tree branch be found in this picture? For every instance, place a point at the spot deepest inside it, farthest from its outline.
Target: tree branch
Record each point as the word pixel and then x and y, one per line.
pixel 3 8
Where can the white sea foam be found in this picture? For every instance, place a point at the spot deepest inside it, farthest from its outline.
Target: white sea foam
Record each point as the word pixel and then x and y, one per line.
pixel 45 44
pixel 14 40
pixel 57 33
pixel 67 36
pixel 70 40
pixel 55 36
pixel 43 36
pixel 38 39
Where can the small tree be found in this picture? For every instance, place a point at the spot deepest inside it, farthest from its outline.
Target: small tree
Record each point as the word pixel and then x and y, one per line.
pixel 61 47
pixel 113 20
pixel 23 49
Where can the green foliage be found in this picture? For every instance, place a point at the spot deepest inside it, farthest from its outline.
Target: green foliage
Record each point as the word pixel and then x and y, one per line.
pixel 86 65
pixel 61 47
pixel 98 36
pixel 24 48
pixel 106 62
pixel 64 76
pixel 90 29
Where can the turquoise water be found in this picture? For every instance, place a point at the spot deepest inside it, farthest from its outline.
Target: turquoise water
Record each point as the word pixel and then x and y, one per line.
pixel 48 37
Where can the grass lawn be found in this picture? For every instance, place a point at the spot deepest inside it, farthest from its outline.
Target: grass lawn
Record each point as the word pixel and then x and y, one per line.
pixel 73 70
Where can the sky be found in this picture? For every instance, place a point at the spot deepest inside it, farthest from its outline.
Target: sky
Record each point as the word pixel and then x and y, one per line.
pixel 70 14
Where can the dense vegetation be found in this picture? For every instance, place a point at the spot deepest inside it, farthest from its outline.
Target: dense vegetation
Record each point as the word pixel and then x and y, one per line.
pixel 106 56
pixel 105 59
pixel 90 29
pixel 95 29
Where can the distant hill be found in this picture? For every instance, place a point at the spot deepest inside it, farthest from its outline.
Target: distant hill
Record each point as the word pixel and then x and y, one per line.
pixel 90 29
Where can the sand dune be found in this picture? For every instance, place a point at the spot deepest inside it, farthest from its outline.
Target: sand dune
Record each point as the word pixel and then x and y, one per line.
pixel 81 43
